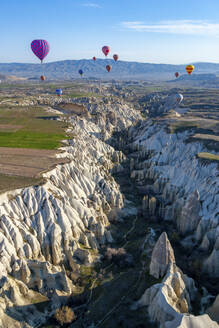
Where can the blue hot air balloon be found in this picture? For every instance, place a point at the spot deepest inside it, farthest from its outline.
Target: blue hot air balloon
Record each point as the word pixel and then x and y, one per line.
pixel 80 72
pixel 59 92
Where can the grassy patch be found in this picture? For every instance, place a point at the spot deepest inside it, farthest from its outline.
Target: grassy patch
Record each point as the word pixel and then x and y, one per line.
pixel 13 85
pixel 41 306
pixel 144 115
pixel 182 126
pixel 80 95
pixel 15 182
pixel 87 274
pixel 73 91
pixel 208 156
pixel 35 131
pixel 28 139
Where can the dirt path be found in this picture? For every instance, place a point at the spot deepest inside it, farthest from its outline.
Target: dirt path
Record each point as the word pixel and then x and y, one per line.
pixel 140 276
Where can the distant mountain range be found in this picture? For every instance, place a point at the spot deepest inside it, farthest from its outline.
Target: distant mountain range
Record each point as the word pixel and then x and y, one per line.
pixel 68 69
pixel 200 80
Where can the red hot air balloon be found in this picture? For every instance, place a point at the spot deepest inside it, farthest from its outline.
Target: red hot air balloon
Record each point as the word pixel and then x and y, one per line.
pixel 108 68
pixel 115 57
pixel 94 58
pixel 176 74
pixel 40 48
pixel 106 50
pixel 42 77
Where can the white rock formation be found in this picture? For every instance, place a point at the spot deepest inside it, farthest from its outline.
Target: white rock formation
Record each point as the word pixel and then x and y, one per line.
pixel 189 217
pixel 45 228
pixel 162 256
pixel 213 311
pixel 182 180
pixel 17 302
pixel 169 302
pixel 172 102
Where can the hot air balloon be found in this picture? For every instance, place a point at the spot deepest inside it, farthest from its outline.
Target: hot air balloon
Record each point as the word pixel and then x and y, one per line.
pixel 80 72
pixel 115 57
pixel 108 68
pixel 40 48
pixel 176 74
pixel 94 58
pixel 179 98
pixel 106 50
pixel 190 69
pixel 59 92
pixel 42 78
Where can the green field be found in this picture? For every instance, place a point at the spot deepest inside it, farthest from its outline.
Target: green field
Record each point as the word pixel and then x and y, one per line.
pixel 14 182
pixel 71 90
pixel 34 130
pixel 182 126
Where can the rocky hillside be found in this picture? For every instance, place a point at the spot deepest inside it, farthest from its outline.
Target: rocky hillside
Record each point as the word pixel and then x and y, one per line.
pixel 62 224
pixel 170 301
pixel 185 187
pixel 52 235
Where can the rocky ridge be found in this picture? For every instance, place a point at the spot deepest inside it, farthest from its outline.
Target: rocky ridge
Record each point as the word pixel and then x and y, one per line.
pixel 169 302
pixel 47 232
pixel 185 189
pixel 60 225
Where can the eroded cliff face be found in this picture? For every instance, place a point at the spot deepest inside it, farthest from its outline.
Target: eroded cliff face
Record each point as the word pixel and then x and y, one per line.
pixel 45 230
pixel 185 189
pixel 48 232
pixel 169 302
pixel 179 188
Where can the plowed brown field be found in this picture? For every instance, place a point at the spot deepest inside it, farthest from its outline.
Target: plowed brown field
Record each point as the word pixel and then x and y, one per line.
pixel 27 162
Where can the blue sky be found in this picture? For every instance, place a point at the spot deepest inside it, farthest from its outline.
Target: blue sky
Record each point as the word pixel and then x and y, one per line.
pixel 156 31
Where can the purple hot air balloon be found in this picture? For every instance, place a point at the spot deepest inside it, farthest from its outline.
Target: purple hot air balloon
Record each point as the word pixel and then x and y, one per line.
pixel 40 48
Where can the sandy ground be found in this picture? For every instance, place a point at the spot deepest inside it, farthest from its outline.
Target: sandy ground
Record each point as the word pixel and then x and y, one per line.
pixel 72 109
pixel 206 136
pixel 27 162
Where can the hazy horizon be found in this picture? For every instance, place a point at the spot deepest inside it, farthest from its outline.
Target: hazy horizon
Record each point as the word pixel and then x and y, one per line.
pixel 134 61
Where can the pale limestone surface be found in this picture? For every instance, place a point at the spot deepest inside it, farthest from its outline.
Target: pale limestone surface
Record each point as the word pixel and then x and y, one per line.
pixel 188 188
pixel 189 217
pixel 169 302
pixel 162 256
pixel 45 228
pixel 213 311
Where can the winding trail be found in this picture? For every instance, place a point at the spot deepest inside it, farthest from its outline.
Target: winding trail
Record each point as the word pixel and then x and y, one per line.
pixel 147 238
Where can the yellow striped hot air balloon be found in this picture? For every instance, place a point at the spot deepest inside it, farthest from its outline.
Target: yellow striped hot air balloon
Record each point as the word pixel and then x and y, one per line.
pixel 190 69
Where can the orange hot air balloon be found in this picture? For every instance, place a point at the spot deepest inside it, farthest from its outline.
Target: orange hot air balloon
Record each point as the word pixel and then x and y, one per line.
pixel 42 78
pixel 115 57
pixel 176 74
pixel 108 68
pixel 190 69
pixel 94 58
